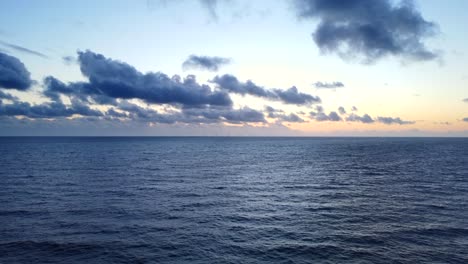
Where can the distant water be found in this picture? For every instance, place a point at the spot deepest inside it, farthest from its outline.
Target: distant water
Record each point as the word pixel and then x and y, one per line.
pixel 233 200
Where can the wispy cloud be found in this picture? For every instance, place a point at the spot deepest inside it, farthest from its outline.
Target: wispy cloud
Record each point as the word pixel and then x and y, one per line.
pixel 211 6
pixel 325 85
pixel 23 49
pixel 205 63
pixel 69 60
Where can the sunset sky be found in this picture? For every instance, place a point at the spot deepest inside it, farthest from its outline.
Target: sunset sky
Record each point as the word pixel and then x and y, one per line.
pixel 234 68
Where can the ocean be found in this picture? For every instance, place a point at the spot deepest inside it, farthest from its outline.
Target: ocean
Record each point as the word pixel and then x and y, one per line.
pixel 233 200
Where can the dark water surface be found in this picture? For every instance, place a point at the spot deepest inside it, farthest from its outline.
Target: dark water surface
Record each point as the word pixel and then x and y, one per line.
pixel 233 200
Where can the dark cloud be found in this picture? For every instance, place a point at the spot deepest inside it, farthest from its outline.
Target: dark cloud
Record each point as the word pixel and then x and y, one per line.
pixel 385 120
pixel 7 96
pixel 291 118
pixel 205 62
pixel 241 115
pixel 47 110
pixel 341 110
pixel 136 112
pixel 13 73
pixel 112 82
pixel 465 100
pixel 393 120
pixel 332 116
pixel 80 108
pixel 293 96
pixel 281 116
pixel 465 119
pixel 318 109
pixel 80 90
pixel 332 85
pixel 244 115
pixel 290 96
pixel 232 84
pixel 189 115
pixel 111 85
pixel 354 109
pixel 373 29
pixel 23 49
pixel 55 87
pixel 270 109
pixel 367 119
pixel 114 79
pixel 272 112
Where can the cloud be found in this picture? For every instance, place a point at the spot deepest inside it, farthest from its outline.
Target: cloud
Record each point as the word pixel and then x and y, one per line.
pixel 205 63
pixel 290 96
pixel 244 114
pixel 46 110
pixel 270 109
pixel 116 91
pixel 241 115
pixel 371 29
pixel 136 112
pixel 13 73
pixel 354 109
pixel 210 5
pixel 333 85
pixel 115 79
pixel 293 96
pixel 113 83
pixel 341 110
pixel 332 116
pixel 392 120
pixel 55 87
pixel 465 100
pixel 291 118
pixel 80 90
pixel 367 119
pixel 113 113
pixel 465 119
pixel 279 114
pixel 69 60
pixel 232 84
pixel 7 96
pixel 443 123
pixel 24 50
pixel 91 126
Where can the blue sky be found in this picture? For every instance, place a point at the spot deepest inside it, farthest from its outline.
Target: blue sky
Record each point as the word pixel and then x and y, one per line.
pixel 267 42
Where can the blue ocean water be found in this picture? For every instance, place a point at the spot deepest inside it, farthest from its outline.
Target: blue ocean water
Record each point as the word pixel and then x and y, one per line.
pixel 233 200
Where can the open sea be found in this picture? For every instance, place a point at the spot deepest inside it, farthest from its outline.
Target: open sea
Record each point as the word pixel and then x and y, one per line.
pixel 233 200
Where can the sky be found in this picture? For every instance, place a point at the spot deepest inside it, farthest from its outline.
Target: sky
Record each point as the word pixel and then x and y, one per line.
pixel 234 68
